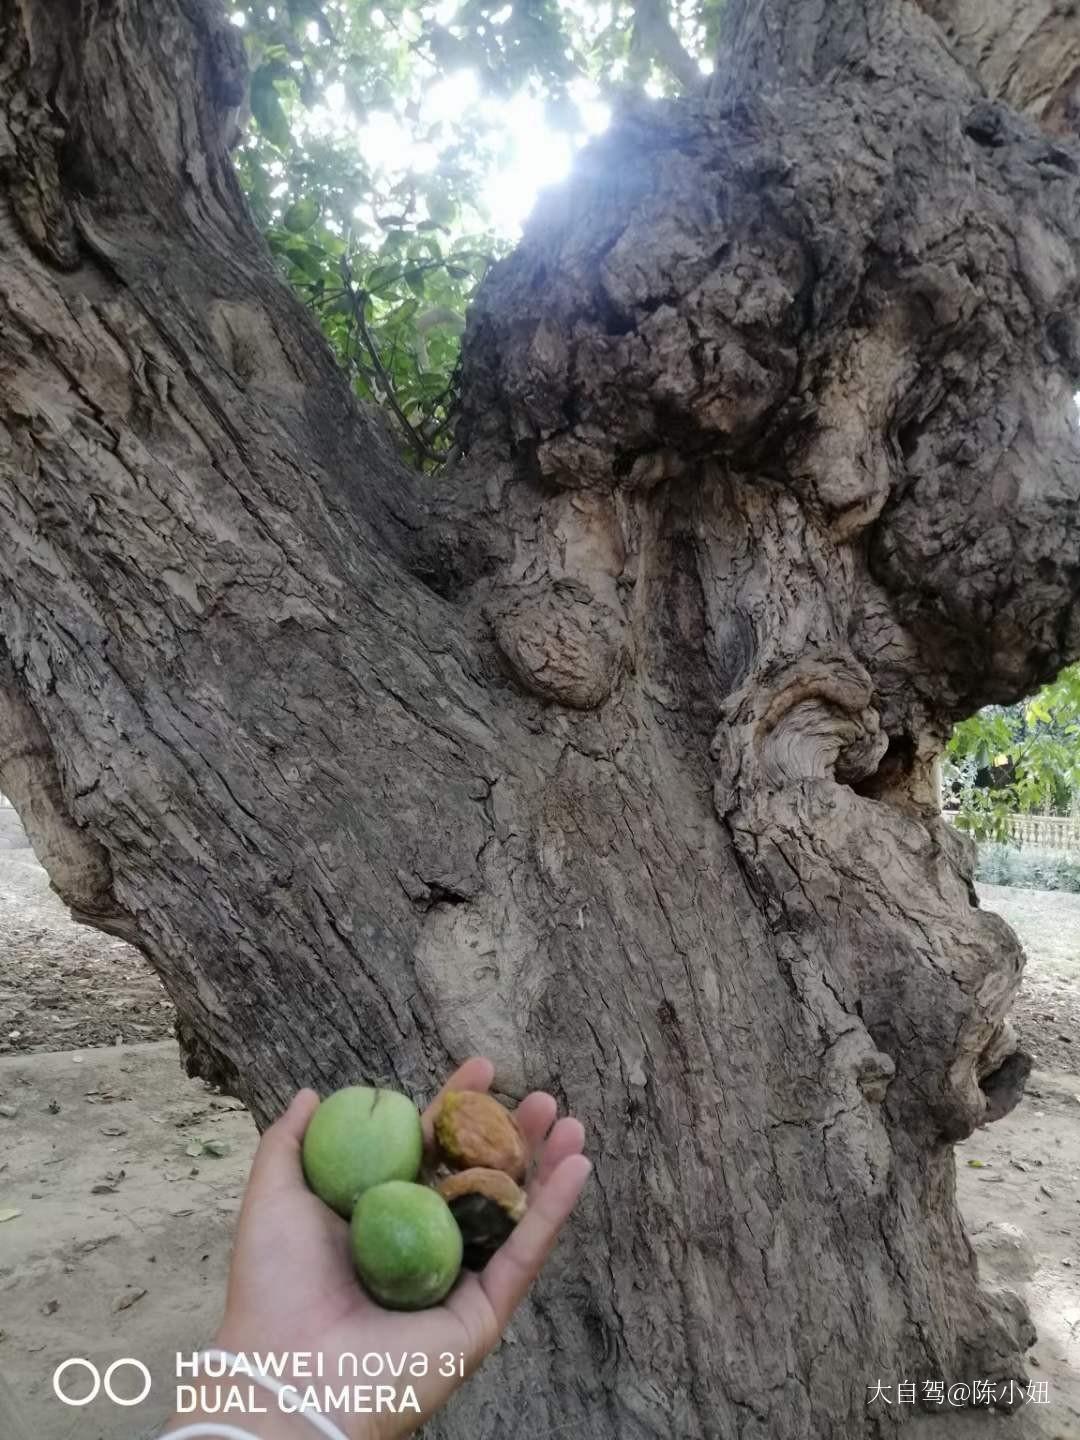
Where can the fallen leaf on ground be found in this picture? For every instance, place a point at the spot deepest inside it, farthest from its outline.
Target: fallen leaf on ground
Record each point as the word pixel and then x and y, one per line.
pixel 126 1301
pixel 85 1246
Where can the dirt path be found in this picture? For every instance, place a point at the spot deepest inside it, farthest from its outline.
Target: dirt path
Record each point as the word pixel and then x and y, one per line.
pixel 1018 1183
pixel 122 1242
pixel 64 985
pixel 1047 1011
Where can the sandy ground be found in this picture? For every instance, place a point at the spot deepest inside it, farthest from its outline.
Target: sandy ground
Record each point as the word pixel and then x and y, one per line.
pixel 1018 1183
pixel 64 985
pixel 121 1239
pixel 1047 1010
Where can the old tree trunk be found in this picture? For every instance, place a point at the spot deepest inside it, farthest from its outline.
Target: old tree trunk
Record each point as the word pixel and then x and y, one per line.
pixel 609 754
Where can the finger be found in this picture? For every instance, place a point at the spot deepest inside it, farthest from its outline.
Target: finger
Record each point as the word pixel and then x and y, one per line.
pixel 293 1121
pixel 277 1159
pixel 515 1265
pixel 567 1138
pixel 477 1073
pixel 535 1117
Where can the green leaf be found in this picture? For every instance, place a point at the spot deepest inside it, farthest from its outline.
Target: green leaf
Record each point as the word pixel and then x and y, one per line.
pixel 441 208
pixel 301 10
pixel 266 106
pixel 309 259
pixel 440 315
pixel 431 386
pixel 301 215
pixel 381 277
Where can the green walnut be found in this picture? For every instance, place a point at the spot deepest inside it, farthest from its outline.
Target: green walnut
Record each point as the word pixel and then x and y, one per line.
pixel 359 1138
pixel 406 1245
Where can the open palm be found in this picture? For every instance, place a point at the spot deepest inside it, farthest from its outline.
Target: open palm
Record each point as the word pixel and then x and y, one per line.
pixel 293 1289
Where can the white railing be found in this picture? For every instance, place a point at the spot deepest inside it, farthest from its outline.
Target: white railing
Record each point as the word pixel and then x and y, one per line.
pixel 1051 832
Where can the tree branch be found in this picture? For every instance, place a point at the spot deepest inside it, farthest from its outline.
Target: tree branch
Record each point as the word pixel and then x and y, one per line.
pixel 768 39
pixel 1025 52
pixel 796 42
pixel 655 36
pixel 412 435
pixel 76 864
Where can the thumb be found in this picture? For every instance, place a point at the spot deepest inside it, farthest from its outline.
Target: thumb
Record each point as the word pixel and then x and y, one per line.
pixel 293 1120
pixel 277 1160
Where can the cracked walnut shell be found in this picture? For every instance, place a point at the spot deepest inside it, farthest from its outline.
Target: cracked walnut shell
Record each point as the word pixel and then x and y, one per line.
pixel 487 1205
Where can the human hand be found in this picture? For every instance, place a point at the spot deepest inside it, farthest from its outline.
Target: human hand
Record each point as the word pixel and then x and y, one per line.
pixel 292 1287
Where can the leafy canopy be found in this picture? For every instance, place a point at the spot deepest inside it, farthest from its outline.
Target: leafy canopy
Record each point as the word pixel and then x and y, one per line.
pixel 393 149
pixel 1017 759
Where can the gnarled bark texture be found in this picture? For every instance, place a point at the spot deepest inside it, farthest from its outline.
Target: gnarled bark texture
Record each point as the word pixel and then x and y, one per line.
pixel 610 753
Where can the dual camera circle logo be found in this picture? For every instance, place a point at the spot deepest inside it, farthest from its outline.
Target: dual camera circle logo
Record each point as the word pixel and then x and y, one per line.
pixel 99 1382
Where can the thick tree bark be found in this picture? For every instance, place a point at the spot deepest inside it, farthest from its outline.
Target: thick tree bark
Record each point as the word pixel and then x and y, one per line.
pixel 609 754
